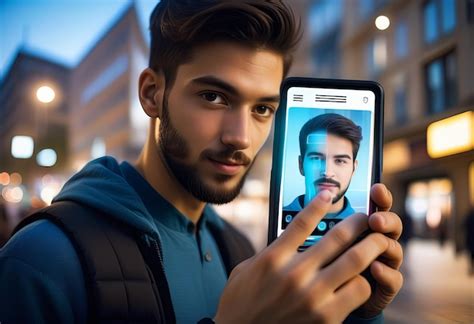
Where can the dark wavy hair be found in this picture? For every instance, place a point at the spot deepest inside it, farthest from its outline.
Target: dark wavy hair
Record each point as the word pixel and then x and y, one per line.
pixel 177 27
pixel 333 124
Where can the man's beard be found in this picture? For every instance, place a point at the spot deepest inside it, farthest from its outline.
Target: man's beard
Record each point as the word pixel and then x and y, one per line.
pixel 341 193
pixel 175 148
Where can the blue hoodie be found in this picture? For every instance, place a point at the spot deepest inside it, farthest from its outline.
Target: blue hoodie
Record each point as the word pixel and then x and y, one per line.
pixel 40 274
pixel 41 280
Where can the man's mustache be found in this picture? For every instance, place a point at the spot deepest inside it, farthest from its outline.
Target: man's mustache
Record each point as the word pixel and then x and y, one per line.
pixel 327 180
pixel 237 157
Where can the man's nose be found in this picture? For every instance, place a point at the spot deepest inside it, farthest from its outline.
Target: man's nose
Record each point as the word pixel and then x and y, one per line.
pixel 235 131
pixel 327 169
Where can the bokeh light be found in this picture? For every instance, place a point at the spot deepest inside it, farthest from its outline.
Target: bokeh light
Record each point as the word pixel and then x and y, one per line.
pixel 46 158
pixel 4 179
pixel 16 179
pixel 382 22
pixel 45 94
pixel 22 147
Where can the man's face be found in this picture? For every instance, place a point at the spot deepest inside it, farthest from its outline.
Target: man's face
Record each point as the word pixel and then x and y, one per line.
pixel 328 164
pixel 216 117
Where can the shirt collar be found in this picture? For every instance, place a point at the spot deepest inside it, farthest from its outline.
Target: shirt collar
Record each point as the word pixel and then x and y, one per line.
pixel 162 210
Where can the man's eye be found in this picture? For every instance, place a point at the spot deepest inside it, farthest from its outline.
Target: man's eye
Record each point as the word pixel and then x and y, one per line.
pixel 213 97
pixel 341 161
pixel 264 111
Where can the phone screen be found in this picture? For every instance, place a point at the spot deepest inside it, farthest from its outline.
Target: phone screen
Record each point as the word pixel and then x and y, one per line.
pixel 328 144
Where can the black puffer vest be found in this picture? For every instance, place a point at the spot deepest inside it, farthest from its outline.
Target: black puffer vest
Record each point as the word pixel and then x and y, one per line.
pixel 123 269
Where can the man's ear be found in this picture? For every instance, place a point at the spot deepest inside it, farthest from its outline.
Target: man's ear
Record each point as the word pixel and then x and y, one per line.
pixel 300 164
pixel 356 163
pixel 151 87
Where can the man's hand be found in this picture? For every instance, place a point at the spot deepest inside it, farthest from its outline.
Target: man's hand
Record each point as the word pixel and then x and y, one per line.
pixel 385 270
pixel 323 284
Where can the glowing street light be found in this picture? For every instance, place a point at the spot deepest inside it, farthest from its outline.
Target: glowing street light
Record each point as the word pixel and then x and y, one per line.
pixel 382 22
pixel 22 147
pixel 45 94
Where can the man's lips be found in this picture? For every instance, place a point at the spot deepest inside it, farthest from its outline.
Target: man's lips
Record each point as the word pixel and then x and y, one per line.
pixel 228 167
pixel 325 184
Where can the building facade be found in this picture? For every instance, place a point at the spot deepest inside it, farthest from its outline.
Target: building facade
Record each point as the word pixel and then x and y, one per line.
pixel 424 62
pixel 22 113
pixel 106 117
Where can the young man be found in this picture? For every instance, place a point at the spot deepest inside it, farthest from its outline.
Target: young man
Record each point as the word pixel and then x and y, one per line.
pixel 329 144
pixel 155 251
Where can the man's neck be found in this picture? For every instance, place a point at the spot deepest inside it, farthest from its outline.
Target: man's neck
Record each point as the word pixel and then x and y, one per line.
pixel 152 167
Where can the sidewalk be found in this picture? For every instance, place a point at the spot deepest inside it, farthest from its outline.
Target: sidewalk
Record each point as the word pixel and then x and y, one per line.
pixel 437 287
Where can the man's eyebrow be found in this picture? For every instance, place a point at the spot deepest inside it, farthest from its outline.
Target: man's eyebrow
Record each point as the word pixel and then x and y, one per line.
pixel 314 154
pixel 343 156
pixel 225 86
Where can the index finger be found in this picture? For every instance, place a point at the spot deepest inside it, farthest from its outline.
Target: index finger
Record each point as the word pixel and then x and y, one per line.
pixel 303 224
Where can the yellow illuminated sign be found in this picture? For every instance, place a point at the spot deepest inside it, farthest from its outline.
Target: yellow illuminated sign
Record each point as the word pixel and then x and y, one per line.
pixel 451 135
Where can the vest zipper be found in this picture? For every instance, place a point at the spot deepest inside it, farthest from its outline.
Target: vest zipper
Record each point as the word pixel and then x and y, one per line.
pixel 155 252
pixel 159 252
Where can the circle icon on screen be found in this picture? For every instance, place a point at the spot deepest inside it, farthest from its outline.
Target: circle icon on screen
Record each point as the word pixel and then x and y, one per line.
pixel 288 218
pixel 365 100
pixel 322 226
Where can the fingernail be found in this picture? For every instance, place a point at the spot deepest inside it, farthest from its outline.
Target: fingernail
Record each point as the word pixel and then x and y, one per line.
pixel 325 196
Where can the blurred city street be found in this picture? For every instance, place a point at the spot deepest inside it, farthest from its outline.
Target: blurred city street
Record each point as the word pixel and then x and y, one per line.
pixel 69 96
pixel 437 286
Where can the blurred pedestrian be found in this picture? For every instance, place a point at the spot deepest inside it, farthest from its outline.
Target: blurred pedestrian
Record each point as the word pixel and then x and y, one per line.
pixel 443 230
pixel 469 227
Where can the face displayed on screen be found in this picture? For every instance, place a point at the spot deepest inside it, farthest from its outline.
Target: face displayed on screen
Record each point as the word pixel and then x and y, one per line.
pixel 328 145
pixel 327 164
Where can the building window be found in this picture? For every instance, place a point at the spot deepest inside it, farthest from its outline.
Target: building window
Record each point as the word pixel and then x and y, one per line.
pixel 400 99
pixel 400 105
pixel 441 83
pixel 368 7
pixel 376 55
pixel 439 18
pixel 401 39
pixel 324 22
pixel 325 16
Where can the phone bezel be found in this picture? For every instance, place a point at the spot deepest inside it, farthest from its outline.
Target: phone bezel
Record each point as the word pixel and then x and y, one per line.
pixel 280 118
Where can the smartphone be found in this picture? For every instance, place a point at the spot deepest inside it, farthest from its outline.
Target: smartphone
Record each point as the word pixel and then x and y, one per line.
pixel 328 136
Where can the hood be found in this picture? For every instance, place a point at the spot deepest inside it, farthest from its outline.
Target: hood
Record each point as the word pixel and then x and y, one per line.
pixel 102 186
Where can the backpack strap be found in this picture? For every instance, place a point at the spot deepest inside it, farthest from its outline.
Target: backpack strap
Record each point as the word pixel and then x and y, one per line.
pixel 233 245
pixel 119 283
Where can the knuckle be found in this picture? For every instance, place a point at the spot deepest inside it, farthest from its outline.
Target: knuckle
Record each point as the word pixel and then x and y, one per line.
pixel 270 261
pixel 293 281
pixel 381 240
pixel 396 247
pixel 356 258
pixel 400 281
pixel 363 287
pixel 302 224
pixel 341 236
pixel 397 283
